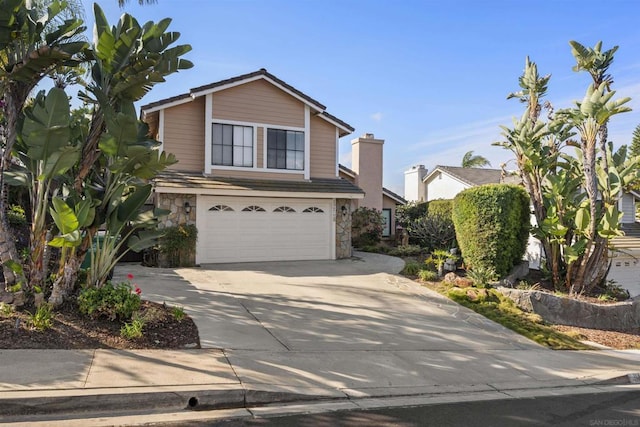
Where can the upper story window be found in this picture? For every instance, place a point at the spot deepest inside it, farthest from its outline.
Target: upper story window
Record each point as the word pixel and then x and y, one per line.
pixel 232 145
pixel 285 149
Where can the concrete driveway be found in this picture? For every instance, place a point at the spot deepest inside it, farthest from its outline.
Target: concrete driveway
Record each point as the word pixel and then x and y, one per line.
pixel 355 328
pixel 354 304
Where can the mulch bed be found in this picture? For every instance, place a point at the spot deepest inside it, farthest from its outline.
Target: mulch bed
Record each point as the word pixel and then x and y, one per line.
pixel 614 339
pixel 71 330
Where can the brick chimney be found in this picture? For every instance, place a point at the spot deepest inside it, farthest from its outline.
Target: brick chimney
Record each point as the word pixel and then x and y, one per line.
pixel 414 188
pixel 366 162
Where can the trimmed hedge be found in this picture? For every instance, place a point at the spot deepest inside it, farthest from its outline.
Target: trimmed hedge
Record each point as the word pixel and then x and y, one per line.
pixel 441 207
pixel 492 226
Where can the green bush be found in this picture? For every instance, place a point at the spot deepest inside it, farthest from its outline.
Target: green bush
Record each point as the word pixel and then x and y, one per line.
pixel 442 207
pixel 481 276
pixel 132 330
pixel 179 244
pixel 430 264
pixel 408 250
pixel 492 226
pixel 366 227
pixel 405 214
pixel 42 318
pixel 428 275
pixel 411 268
pixel 114 302
pixel 16 216
pixel 433 231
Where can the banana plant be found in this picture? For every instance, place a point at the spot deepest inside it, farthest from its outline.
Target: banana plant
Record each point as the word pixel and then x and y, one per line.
pixel 33 42
pixel 46 154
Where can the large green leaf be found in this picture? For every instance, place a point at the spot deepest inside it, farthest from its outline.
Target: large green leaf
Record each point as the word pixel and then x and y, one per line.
pixel 144 239
pixel 46 126
pixel 63 216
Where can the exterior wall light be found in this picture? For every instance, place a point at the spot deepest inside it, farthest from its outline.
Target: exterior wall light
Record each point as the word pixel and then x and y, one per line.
pixel 187 208
pixel 344 211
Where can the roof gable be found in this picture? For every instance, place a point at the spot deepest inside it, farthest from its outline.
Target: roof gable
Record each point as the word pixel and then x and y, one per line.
pixel 262 74
pixel 472 176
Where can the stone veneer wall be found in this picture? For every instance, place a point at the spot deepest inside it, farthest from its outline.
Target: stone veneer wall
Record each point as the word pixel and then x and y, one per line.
pixel 175 204
pixel 343 229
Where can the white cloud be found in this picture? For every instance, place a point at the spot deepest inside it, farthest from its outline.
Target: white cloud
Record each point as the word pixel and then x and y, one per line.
pixel 376 116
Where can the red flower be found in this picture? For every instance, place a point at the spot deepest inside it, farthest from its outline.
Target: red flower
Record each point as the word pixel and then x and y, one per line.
pixel 130 276
pixel 138 290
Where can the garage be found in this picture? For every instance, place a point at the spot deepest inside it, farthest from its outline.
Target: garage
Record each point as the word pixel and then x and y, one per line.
pixel 246 229
pixel 624 271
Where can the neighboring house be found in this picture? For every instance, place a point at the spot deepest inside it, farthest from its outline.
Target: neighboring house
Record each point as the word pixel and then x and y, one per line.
pixel 625 264
pixel 366 173
pixel 257 171
pixel 444 182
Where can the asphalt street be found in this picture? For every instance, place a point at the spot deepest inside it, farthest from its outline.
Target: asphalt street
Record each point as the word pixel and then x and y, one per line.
pixel 600 409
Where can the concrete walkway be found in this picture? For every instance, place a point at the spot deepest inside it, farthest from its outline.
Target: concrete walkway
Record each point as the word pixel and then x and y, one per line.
pixel 290 331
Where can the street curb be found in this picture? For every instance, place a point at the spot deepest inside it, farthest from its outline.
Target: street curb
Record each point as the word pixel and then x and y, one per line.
pixel 83 401
pixel 195 400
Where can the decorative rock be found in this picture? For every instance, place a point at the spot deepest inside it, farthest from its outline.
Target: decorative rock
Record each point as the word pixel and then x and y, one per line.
pixel 6 297
pixel 518 272
pixel 191 345
pixel 450 278
pixel 463 282
pixel 18 299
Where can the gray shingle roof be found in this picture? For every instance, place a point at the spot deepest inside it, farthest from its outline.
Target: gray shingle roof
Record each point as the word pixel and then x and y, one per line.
pixel 177 179
pixel 476 176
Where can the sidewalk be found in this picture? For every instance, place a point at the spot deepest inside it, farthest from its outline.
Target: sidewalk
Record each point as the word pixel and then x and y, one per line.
pixel 40 384
pixel 325 335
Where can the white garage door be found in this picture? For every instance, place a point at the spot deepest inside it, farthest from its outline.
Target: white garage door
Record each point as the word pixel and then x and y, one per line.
pixel 245 229
pixel 624 270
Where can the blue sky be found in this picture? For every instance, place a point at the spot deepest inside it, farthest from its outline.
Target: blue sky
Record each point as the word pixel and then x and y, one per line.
pixel 430 78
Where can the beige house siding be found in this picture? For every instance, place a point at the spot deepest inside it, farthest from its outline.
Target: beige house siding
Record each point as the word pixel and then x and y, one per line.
pixel 323 149
pixel 184 135
pixel 258 102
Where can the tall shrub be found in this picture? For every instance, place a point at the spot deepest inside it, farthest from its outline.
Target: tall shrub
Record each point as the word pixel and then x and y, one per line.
pixel 366 227
pixel 440 207
pixel 406 214
pixel 492 226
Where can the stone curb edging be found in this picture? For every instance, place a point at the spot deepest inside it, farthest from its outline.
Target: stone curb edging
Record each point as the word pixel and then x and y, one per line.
pixel 571 312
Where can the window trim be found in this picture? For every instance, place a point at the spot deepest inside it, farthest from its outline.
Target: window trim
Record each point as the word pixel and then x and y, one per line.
pixel 386 231
pixel 210 118
pixel 286 150
pixel 254 156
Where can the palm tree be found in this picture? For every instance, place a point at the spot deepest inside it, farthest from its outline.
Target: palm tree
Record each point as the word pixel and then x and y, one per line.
pixel 471 161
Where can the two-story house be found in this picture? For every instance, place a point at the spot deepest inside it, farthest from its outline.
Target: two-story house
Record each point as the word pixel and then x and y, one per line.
pixel 257 171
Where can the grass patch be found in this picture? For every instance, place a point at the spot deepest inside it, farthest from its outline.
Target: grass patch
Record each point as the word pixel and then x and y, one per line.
pixel 495 306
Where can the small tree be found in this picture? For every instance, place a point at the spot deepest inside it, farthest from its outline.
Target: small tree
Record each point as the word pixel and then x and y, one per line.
pixel 574 198
pixel 366 227
pixel 492 226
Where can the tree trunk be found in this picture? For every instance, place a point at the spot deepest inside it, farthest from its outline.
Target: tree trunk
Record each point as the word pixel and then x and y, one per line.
pixel 8 251
pixel 65 283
